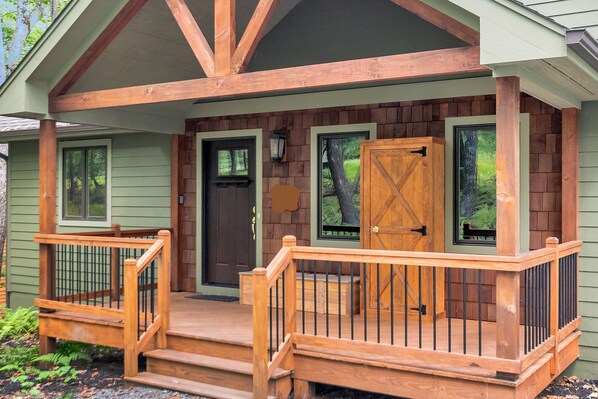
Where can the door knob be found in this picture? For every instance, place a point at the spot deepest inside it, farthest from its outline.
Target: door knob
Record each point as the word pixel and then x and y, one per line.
pixel 375 229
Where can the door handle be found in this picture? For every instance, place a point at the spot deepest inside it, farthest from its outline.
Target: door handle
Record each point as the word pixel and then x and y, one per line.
pixel 375 229
pixel 253 224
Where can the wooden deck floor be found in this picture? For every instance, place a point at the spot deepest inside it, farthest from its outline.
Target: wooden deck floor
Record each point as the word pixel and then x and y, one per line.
pixel 231 321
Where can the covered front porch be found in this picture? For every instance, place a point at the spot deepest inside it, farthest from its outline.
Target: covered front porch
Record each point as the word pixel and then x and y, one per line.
pixel 103 297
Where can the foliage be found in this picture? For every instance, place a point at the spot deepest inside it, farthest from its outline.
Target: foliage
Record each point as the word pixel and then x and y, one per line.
pixel 18 323
pixel 23 23
pixel 23 363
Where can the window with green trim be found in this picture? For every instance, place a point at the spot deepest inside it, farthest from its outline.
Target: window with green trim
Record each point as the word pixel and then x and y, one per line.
pixel 475 185
pixel 85 183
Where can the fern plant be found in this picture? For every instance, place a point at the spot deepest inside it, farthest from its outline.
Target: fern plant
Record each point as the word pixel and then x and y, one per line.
pixel 17 323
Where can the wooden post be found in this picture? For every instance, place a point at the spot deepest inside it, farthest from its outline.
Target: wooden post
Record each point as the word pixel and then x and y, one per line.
pixel 174 212
pixel 225 36
pixel 290 292
pixel 114 267
pixel 260 334
pixel 131 318
pixel 303 389
pixel 507 214
pixel 570 169
pixel 553 242
pixel 47 219
pixel 164 287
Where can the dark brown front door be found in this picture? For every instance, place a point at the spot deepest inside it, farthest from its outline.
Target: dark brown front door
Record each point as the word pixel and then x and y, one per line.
pixel 228 210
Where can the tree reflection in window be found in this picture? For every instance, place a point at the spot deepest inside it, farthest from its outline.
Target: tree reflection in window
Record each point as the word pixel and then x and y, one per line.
pixel 338 185
pixel 475 185
pixel 84 183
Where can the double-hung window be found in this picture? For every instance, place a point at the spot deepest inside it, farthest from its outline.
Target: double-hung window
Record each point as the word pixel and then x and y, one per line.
pixel 85 182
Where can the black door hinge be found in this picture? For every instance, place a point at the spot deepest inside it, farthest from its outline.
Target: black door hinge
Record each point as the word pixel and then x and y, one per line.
pixel 422 310
pixel 423 151
pixel 423 231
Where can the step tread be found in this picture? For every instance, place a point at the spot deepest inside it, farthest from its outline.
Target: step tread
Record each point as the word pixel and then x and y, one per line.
pixel 235 366
pixel 188 386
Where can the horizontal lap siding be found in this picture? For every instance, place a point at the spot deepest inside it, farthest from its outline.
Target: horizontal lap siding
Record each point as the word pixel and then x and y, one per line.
pixel 588 218
pixel 140 199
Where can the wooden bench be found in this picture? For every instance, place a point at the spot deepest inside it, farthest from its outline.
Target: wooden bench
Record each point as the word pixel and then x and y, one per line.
pixel 246 293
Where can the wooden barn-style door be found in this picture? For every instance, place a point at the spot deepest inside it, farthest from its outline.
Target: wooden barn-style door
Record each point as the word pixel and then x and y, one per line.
pixel 402 208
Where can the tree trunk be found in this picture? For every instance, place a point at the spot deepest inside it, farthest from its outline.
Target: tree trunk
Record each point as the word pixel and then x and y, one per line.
pixel 342 187
pixel 468 172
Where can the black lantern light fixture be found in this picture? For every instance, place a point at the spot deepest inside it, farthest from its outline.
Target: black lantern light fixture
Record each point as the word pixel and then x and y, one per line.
pixel 278 141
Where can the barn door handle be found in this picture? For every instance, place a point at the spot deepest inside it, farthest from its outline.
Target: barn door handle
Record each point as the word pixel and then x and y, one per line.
pixel 423 231
pixel 253 224
pixel 375 229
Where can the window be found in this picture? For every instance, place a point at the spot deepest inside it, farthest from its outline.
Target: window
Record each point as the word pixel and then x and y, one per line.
pixel 471 162
pixel 84 179
pixel 233 162
pixel 475 185
pixel 336 169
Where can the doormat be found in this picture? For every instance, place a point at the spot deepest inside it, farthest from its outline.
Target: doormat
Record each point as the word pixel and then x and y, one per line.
pixel 219 298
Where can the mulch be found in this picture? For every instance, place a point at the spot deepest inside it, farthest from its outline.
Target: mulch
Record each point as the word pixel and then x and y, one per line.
pixel 103 378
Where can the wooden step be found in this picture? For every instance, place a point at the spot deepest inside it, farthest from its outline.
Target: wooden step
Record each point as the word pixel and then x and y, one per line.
pixel 185 342
pixel 188 386
pixel 234 366
pixel 212 370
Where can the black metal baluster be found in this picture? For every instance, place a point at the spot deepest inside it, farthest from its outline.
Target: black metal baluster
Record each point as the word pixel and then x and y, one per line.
pixel 419 304
pixel 434 309
pixel 536 309
pixel 315 263
pixel 479 312
pixel 87 275
pixel 284 307
pixel 72 273
pixel 378 302
pixel 152 279
pixel 352 303
pixel 406 304
pixel 392 305
pixel 326 265
pixel 58 284
pixel 271 324
pixel 464 311
pixel 277 321
pixel 79 273
pixel 561 292
pixel 526 311
pixel 303 296
pixel 338 288
pixel 448 312
pixel 365 303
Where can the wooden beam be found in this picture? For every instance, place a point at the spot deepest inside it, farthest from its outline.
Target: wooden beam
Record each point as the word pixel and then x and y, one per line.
pixel 192 32
pixel 508 171
pixel 570 167
pixel 225 36
pixel 441 20
pixel 253 34
pixel 47 218
pixel 98 46
pixel 370 70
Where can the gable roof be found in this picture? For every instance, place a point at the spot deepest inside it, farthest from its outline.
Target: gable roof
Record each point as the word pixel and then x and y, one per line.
pixel 515 39
pixel 572 14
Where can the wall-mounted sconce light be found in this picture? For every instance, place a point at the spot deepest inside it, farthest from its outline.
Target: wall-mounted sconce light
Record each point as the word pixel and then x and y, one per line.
pixel 278 142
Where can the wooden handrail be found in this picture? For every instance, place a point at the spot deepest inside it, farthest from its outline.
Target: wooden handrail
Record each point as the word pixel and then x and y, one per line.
pixel 149 255
pixel 278 265
pixel 91 241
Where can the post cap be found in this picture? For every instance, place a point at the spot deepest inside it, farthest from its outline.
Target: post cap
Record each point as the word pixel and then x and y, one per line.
pixel 551 241
pixel 289 241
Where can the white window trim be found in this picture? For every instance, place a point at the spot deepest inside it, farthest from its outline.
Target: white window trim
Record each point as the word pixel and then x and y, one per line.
pixel 86 143
pixel 450 124
pixel 313 179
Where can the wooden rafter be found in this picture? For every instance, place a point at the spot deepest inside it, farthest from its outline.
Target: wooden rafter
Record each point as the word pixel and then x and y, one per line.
pixel 225 39
pixel 441 20
pixel 369 70
pixel 192 32
pixel 253 34
pixel 98 46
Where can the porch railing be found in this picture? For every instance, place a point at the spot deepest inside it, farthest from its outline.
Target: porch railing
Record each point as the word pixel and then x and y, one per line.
pixel 525 295
pixel 123 275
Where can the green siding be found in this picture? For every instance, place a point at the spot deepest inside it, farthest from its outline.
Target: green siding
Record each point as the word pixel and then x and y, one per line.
pixel 587 365
pixel 140 199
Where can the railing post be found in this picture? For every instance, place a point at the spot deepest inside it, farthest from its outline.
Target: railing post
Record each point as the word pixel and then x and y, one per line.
pixel 553 243
pixel 260 334
pixel 290 290
pixel 114 269
pixel 164 266
pixel 131 319
pixel 508 315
